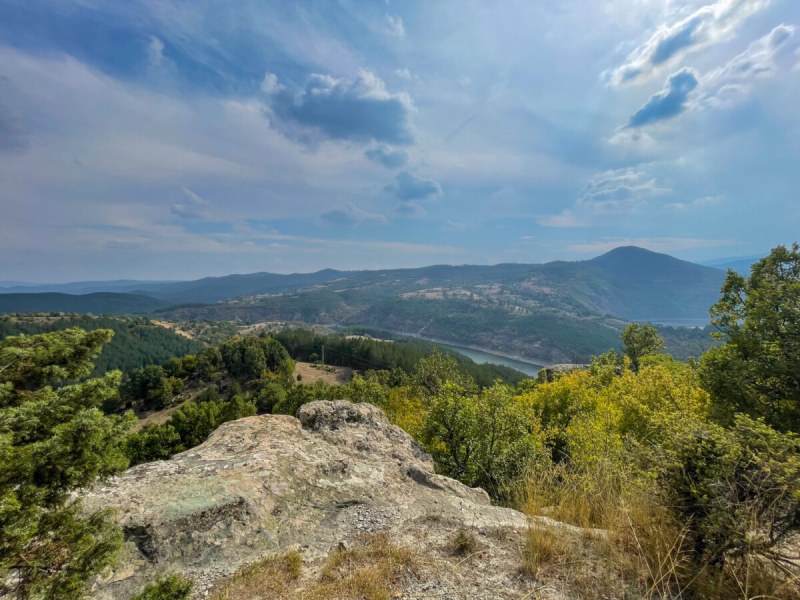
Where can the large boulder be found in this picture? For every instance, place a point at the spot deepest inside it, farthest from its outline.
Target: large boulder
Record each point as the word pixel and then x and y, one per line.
pixel 264 485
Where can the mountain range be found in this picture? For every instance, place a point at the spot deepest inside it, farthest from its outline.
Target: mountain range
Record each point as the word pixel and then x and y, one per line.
pixel 557 311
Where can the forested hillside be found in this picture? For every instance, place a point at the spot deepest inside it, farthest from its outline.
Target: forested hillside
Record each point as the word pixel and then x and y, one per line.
pixel 137 342
pixel 690 470
pixel 555 312
pixel 99 303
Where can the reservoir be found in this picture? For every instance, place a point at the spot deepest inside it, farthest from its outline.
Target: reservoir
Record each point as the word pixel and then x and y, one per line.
pixel 482 357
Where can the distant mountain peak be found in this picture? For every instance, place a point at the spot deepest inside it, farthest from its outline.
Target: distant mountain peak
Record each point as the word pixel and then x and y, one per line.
pixel 636 255
pixel 630 251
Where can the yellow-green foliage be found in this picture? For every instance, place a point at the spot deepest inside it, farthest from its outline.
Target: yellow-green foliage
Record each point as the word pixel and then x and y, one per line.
pixel 405 408
pixel 686 501
pixel 588 417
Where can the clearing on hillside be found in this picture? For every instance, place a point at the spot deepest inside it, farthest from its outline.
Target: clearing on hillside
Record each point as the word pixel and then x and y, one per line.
pixel 310 372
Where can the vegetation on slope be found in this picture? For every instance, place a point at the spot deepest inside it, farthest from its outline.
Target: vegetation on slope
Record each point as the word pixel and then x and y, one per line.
pixel 53 440
pixel 692 470
pixel 137 342
pixel 100 303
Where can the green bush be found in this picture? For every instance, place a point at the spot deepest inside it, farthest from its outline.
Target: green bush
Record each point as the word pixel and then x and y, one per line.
pixel 169 587
pixel 738 489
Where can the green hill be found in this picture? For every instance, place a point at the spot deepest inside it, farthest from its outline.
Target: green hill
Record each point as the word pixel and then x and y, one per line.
pixel 137 342
pixel 102 303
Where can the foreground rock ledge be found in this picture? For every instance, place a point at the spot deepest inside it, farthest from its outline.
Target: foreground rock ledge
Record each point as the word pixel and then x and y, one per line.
pixel 268 484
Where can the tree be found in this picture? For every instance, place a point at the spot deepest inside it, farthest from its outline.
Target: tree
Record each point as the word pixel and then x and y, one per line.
pixel 484 439
pixel 251 357
pixel 54 440
pixel 151 386
pixel 757 371
pixel 639 339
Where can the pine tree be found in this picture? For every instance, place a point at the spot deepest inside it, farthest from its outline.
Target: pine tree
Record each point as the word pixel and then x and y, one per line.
pixel 54 440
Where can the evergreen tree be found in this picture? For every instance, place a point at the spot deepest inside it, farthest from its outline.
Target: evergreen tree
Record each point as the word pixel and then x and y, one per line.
pixel 54 440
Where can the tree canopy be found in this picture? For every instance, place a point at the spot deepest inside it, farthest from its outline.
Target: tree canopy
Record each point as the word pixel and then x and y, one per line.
pixel 757 371
pixel 640 339
pixel 53 440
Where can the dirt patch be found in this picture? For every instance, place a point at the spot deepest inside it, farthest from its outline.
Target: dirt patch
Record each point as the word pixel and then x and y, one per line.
pixel 309 373
pixel 173 327
pixel 158 417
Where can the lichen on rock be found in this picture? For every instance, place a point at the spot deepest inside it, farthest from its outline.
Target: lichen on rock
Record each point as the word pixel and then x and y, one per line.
pixel 268 484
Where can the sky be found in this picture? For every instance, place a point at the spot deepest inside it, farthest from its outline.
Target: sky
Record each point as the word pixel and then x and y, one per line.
pixel 175 139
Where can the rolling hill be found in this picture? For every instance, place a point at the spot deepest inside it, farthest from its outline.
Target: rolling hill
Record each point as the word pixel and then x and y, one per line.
pixel 553 312
pixel 110 303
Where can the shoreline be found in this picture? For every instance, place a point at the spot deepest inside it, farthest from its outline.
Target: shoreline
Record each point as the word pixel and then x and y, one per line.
pixel 472 347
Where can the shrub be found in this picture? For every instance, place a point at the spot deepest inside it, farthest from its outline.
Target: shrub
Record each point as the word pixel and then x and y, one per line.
pixel 169 587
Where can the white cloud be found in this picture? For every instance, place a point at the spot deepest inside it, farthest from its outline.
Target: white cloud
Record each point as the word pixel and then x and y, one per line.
pixel 564 219
pixel 607 194
pixel 351 215
pixel 394 26
pixel 761 60
pixel 270 84
pixel 155 52
pixel 411 210
pixel 702 202
pixel 705 26
pixel 191 207
pixel 405 73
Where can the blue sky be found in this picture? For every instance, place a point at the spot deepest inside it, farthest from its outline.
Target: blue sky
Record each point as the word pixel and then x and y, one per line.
pixel 173 139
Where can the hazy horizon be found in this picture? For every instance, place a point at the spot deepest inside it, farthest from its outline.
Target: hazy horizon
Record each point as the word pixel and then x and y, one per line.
pixel 171 141
pixel 718 263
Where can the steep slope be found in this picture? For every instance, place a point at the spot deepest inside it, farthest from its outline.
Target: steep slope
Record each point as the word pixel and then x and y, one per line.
pixel 642 285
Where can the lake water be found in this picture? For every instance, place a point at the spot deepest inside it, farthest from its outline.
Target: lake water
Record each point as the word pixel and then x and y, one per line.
pixel 482 357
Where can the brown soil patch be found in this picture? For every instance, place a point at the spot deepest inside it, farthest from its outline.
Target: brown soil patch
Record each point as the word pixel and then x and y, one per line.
pixel 174 328
pixel 309 373
pixel 158 417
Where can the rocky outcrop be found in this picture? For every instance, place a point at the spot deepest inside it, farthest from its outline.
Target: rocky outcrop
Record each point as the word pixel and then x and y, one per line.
pixel 267 484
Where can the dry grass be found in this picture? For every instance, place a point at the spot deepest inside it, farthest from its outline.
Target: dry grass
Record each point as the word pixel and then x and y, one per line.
pixel 643 550
pixel 269 579
pixel 371 570
pixel 310 373
pixel 368 572
pixel 545 547
pixel 463 543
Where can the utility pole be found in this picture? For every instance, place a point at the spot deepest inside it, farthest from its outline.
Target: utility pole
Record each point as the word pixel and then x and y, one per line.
pixel 323 354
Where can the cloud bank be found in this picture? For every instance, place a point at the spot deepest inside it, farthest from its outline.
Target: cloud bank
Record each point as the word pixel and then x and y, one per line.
pixel 350 215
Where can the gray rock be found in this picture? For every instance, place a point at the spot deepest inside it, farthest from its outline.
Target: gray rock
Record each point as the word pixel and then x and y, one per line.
pixel 267 484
